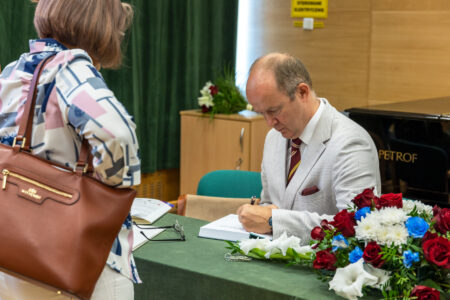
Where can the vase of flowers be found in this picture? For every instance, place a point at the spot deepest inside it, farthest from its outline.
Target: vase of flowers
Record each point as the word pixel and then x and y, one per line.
pixel 398 246
pixel 222 96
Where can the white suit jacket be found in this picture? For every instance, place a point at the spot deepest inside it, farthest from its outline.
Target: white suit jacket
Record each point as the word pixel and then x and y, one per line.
pixel 341 160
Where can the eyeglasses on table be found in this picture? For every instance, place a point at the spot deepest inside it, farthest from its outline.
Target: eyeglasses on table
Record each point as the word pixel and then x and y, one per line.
pixel 176 226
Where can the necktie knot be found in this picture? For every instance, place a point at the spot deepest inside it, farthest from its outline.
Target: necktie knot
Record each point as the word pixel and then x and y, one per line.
pixel 296 143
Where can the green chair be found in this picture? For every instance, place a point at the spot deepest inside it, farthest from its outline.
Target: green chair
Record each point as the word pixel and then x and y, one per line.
pixel 231 184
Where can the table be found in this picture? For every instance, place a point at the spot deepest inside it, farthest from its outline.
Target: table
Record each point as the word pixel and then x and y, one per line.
pixel 196 269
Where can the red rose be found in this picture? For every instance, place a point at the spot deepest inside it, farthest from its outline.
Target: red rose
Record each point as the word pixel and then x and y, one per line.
pixel 428 236
pixel 345 222
pixel 205 109
pixel 325 225
pixel 372 254
pixel 425 293
pixel 436 210
pixel 389 200
pixel 442 218
pixel 213 90
pixel 364 199
pixel 317 233
pixel 437 251
pixel 325 260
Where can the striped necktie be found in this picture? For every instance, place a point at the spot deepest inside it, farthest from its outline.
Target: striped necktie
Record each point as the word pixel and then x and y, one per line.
pixel 295 158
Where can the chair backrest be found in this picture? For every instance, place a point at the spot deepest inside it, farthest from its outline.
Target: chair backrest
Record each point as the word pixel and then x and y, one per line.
pixel 208 208
pixel 230 183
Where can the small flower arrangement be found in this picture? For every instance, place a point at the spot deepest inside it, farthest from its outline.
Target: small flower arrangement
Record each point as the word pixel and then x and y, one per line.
pixel 222 97
pixel 398 246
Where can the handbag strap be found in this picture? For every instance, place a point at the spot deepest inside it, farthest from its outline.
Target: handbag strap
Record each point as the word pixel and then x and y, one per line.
pixel 26 123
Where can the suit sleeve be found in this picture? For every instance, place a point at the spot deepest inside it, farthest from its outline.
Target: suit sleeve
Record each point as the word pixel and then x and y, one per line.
pixel 355 168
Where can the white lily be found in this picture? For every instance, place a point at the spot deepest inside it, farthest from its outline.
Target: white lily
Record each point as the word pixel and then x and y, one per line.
pixel 205 91
pixel 381 275
pixel 284 242
pixel 248 245
pixel 206 100
pixel 349 281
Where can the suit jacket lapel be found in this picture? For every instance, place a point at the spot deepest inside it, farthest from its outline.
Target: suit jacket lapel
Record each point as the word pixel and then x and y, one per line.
pixel 310 156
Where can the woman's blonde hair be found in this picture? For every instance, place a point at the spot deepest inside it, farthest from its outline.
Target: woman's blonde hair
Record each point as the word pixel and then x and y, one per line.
pixel 96 26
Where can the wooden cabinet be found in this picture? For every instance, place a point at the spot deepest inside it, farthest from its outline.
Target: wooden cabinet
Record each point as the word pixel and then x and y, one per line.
pixel 224 143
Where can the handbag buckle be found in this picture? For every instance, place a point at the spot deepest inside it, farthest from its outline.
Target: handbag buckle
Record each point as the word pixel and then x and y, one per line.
pixel 22 144
pixel 77 166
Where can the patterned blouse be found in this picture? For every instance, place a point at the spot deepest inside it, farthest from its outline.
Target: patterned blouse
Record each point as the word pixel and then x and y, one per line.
pixel 73 101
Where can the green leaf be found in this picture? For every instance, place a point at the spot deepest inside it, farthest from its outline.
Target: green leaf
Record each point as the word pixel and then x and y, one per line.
pixel 258 252
pixel 432 284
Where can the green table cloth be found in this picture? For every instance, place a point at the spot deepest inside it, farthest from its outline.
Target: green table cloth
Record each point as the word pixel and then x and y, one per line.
pixel 196 269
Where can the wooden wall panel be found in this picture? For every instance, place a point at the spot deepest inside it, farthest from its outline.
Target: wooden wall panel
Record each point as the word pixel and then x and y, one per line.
pixel 336 56
pixel 348 5
pixel 370 51
pixel 162 185
pixel 410 55
pixel 408 5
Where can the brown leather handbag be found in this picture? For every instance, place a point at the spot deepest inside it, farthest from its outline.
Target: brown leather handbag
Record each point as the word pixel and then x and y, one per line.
pixel 57 225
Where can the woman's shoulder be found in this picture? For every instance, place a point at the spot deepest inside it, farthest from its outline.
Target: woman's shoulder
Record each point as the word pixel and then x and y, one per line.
pixel 74 58
pixel 74 66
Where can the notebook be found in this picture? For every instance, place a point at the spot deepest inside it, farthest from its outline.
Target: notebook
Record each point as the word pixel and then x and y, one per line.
pixel 149 209
pixel 228 228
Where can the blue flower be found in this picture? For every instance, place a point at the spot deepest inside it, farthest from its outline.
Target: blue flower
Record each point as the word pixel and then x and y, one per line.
pixel 339 241
pixel 416 226
pixel 410 257
pixel 361 213
pixel 355 255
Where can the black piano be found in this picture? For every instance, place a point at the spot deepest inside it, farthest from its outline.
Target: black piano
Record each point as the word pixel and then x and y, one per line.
pixel 413 143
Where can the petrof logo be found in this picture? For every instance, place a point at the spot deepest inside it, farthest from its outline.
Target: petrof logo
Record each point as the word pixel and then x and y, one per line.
pixel 31 192
pixel 405 157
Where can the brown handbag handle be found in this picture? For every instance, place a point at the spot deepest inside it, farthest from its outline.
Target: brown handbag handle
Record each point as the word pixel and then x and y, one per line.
pixel 26 123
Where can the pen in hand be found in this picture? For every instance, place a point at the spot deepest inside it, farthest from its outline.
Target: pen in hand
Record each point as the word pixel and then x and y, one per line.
pixel 253 200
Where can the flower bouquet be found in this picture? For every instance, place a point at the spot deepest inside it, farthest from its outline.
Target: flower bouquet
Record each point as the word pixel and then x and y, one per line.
pixel 222 97
pixel 398 246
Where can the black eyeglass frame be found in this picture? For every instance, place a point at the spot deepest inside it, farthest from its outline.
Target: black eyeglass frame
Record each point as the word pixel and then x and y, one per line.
pixel 177 227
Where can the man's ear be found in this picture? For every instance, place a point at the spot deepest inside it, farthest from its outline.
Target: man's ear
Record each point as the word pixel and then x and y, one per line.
pixel 303 90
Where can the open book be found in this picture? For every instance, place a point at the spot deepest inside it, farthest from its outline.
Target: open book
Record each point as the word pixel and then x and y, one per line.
pixel 149 209
pixel 139 239
pixel 228 228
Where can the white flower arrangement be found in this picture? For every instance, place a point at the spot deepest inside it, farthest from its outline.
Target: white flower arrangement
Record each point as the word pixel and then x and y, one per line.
pixel 385 226
pixel 206 98
pixel 349 281
pixel 278 246
pixel 400 247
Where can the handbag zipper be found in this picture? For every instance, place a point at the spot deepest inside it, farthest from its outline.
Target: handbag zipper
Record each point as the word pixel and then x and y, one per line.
pixel 7 173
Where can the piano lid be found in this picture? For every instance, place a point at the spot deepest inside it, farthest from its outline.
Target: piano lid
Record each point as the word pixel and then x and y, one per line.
pixel 413 143
pixel 436 109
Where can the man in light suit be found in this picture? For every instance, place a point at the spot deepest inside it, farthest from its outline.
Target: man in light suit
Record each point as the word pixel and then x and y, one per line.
pixel 337 158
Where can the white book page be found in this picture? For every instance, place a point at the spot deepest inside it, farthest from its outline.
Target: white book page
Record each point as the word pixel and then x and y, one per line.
pixel 139 239
pixel 228 228
pixel 149 209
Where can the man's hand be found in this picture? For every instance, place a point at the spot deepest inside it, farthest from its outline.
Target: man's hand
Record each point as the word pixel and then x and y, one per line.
pixel 255 218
